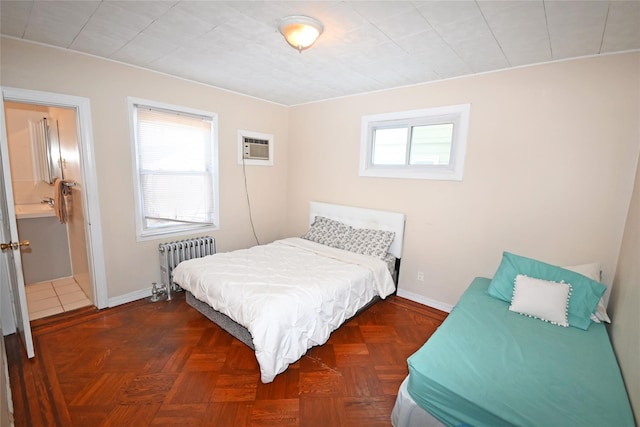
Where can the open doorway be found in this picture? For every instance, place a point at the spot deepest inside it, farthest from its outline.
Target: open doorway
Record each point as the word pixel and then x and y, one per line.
pixel 78 110
pixel 43 148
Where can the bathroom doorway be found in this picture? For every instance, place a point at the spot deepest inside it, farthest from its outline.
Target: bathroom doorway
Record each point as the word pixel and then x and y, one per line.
pixel 83 229
pixel 43 148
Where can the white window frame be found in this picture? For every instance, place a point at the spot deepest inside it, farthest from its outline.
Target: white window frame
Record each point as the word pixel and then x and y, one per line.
pixel 143 234
pixel 456 114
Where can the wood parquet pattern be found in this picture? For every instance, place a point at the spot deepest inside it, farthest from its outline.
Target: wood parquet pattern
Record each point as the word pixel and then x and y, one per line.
pixel 164 364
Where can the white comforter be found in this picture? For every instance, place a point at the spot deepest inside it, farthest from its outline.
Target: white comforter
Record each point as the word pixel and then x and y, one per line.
pixel 290 294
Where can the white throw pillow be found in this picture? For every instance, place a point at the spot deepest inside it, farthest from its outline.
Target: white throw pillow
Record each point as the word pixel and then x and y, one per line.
pixel 542 299
pixel 592 271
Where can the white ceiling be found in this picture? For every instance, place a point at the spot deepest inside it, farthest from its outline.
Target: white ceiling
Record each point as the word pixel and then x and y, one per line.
pixel 366 45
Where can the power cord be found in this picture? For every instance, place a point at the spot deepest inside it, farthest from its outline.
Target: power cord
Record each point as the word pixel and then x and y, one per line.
pixel 246 191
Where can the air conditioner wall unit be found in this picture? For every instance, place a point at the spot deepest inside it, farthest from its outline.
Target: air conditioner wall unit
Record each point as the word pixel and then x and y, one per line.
pixel 255 148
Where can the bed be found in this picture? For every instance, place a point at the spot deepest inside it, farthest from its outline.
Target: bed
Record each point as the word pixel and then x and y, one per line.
pixel 489 365
pixel 287 296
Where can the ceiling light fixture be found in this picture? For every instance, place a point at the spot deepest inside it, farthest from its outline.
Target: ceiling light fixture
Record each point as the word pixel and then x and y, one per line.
pixel 300 31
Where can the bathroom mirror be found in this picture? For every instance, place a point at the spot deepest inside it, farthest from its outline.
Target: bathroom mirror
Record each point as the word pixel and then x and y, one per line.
pixel 47 150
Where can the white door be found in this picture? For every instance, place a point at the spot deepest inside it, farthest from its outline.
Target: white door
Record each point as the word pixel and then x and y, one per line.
pixel 11 245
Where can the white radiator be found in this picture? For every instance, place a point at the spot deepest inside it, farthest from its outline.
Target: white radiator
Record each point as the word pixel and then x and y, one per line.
pixel 173 253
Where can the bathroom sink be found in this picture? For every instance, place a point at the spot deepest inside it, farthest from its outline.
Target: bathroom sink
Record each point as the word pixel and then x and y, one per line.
pixel 33 210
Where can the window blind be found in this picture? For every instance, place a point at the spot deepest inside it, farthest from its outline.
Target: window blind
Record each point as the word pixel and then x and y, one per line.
pixel 175 162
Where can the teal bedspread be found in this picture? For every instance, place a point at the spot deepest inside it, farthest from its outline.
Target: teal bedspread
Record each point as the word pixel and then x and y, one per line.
pixel 487 366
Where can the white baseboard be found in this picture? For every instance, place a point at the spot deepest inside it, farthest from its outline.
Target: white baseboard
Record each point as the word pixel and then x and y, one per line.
pixel 146 293
pixel 425 301
pixel 131 296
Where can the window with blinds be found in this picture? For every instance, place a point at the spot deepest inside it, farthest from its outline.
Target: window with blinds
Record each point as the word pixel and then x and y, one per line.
pixel 175 168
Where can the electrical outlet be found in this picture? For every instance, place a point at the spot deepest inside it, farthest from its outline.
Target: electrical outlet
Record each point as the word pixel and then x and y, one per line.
pixel 420 276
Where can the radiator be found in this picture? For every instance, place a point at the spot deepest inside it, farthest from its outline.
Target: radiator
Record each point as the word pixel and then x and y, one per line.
pixel 173 253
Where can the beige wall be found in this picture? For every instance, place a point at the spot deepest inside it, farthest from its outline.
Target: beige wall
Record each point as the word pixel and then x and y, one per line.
pixel 551 154
pixel 625 298
pixel 131 266
pixel 550 157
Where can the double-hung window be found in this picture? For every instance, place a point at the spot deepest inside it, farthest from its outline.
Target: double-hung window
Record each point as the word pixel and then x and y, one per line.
pixel 422 144
pixel 175 152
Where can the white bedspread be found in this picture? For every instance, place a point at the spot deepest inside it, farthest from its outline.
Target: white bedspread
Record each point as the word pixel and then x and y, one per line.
pixel 290 294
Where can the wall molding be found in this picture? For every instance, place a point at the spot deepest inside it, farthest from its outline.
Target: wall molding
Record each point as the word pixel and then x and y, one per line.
pixel 130 297
pixel 425 301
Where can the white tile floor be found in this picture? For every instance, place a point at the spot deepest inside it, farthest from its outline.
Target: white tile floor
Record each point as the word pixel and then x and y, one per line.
pixel 54 297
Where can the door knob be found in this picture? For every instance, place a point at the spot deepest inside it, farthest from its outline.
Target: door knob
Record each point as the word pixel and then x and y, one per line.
pixel 13 245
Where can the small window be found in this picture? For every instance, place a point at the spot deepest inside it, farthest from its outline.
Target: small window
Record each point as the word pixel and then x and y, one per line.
pixel 422 144
pixel 175 156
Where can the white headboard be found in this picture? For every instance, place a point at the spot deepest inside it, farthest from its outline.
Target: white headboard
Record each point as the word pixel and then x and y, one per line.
pixel 363 218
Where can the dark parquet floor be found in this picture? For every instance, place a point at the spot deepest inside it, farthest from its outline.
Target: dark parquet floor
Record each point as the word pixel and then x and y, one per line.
pixel 162 364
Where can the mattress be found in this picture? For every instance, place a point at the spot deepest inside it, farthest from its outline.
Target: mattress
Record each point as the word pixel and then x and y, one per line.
pixel 487 366
pixel 290 294
pixel 407 413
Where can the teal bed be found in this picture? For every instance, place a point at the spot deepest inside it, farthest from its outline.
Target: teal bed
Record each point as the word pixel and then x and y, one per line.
pixel 489 366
